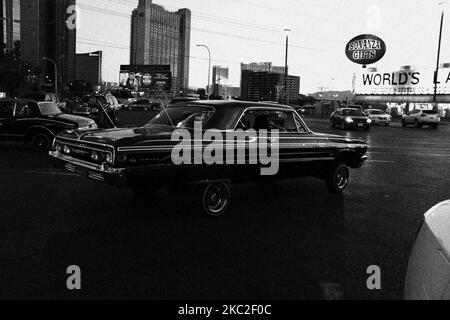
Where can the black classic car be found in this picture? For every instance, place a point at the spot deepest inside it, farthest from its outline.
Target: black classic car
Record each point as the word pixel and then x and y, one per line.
pixel 37 122
pixel 145 158
pixel 350 118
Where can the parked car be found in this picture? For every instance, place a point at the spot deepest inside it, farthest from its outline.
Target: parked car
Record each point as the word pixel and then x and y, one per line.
pixel 183 99
pixel 428 276
pixel 96 107
pixel 420 118
pixel 44 97
pixel 141 158
pixel 143 105
pixel 350 118
pixel 37 122
pixel 379 117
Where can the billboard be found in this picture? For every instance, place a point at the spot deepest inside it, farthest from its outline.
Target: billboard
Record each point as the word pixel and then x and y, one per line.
pixel 408 81
pixel 155 78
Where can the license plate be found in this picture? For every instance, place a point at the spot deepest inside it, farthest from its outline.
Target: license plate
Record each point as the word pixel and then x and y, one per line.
pixel 360 125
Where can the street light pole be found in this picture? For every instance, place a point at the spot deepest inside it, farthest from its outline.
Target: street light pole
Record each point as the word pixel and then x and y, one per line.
pixel 56 72
pixel 286 67
pixel 209 68
pixel 436 73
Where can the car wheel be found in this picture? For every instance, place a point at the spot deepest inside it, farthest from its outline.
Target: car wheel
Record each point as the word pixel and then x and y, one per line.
pixel 41 142
pixel 403 123
pixel 367 129
pixel 338 178
pixel 215 198
pixel 417 124
pixel 435 126
pixel 333 125
pixel 343 126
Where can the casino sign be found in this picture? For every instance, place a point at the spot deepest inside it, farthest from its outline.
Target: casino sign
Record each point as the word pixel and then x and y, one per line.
pixel 365 49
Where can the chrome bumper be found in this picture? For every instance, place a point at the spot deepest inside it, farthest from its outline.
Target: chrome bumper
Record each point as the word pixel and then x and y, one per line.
pixel 103 172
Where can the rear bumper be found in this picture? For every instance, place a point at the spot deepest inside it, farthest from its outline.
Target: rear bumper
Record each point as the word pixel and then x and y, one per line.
pixel 101 173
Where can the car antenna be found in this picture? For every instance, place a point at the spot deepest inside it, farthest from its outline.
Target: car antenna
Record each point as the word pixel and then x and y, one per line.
pixel 167 114
pixel 107 115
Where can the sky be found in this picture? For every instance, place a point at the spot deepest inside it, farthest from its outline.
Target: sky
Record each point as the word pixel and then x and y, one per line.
pixel 252 31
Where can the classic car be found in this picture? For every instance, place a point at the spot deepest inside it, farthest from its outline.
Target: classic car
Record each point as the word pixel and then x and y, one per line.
pixel 98 108
pixel 350 118
pixel 143 158
pixel 428 275
pixel 37 122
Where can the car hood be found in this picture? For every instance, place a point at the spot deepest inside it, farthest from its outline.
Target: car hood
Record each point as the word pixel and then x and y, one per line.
pixel 135 136
pixel 70 119
pixel 340 139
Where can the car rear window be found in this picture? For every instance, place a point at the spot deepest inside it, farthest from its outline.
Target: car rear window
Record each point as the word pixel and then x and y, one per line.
pixel 352 112
pixel 429 112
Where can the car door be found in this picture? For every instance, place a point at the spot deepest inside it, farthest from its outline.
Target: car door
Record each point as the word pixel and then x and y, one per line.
pixel 286 131
pixel 24 113
pixel 7 120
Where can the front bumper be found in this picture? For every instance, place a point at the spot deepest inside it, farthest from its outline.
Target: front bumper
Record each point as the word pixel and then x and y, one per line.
pixel 102 173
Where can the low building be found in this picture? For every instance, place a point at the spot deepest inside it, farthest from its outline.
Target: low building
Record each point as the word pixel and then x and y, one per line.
pixel 268 86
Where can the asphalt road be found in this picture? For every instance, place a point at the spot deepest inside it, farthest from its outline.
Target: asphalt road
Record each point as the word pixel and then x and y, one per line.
pixel 292 240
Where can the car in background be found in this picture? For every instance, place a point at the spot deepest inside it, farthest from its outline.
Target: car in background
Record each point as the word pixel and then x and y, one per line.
pixel 420 118
pixel 37 122
pixel 428 276
pixel 183 99
pixel 350 118
pixel 306 110
pixel 98 108
pixel 44 97
pixel 143 105
pixel 123 95
pixel 379 117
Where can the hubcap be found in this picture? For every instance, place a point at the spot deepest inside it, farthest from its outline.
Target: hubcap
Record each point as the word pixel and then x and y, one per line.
pixel 341 177
pixel 216 199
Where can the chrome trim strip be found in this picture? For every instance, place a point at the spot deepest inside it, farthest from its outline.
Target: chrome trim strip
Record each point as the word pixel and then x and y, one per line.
pixel 87 165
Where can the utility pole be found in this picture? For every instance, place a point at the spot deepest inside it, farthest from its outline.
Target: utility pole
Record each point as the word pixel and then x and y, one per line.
pixel 286 73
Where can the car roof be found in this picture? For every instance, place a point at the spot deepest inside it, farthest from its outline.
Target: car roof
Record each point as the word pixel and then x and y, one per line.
pixel 224 104
pixel 24 100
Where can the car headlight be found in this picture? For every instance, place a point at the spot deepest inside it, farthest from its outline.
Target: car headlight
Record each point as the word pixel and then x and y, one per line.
pixel 109 158
pixel 95 110
pixel 369 121
pixel 66 150
pixel 58 147
pixel 95 156
pixel 348 120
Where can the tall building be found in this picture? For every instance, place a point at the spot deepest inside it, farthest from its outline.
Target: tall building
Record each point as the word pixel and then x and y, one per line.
pixel 45 33
pixel 89 67
pixel 219 81
pixel 10 25
pixel 161 37
pixel 268 86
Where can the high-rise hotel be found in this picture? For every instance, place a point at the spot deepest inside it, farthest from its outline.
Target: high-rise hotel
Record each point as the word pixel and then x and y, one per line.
pixel 161 37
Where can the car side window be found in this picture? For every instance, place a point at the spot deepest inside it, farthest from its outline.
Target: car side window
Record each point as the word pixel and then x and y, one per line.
pixel 284 121
pixel 23 110
pixel 6 109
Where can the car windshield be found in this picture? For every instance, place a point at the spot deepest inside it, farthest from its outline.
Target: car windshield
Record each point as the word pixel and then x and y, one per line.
pixel 376 112
pixel 352 113
pixel 48 108
pixel 182 117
